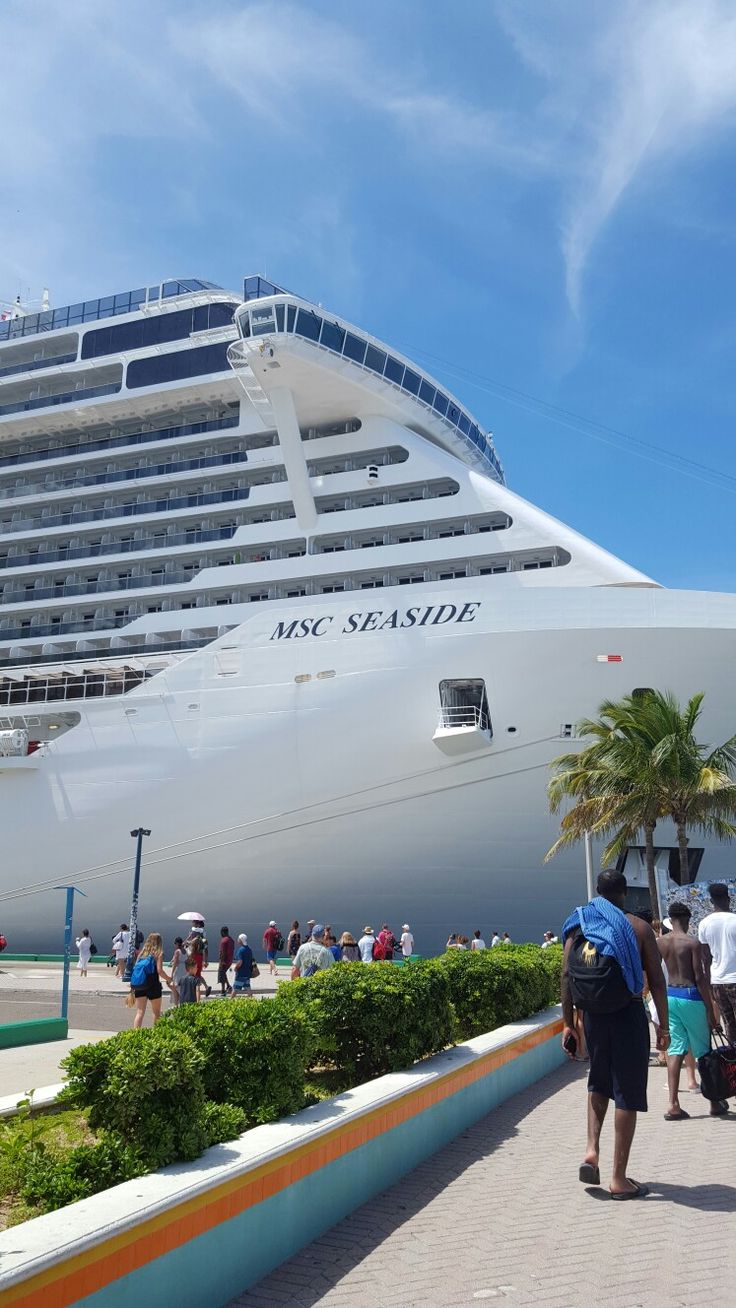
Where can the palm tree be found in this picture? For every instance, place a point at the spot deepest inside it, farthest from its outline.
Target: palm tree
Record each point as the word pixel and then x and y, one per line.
pixel 644 764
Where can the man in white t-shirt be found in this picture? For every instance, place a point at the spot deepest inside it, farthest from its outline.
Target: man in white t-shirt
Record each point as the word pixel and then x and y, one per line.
pixel 407 941
pixel 717 932
pixel 477 942
pixel 366 943
pixel 495 939
pixel 312 956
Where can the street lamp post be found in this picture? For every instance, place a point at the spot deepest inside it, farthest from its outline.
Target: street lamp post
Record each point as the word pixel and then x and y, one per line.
pixel 138 835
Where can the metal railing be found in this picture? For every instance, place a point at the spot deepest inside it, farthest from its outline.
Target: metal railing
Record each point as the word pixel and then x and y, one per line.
pixel 463 715
pixel 81 479
pixel 166 505
pixel 68 397
pixel 117 442
pixel 195 536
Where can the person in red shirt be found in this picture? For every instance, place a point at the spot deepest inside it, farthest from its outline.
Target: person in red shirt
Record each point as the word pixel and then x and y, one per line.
pixel 225 960
pixel 272 943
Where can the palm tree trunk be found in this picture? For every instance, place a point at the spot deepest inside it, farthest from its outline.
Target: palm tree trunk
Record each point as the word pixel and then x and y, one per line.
pixel 683 842
pixel 649 858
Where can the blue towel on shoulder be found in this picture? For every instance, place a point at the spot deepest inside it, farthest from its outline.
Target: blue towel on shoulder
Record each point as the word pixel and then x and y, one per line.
pixel 612 934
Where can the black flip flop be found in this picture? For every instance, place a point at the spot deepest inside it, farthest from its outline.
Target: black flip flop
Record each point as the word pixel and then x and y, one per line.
pixel 682 1116
pixel 639 1192
pixel 589 1174
pixel 722 1109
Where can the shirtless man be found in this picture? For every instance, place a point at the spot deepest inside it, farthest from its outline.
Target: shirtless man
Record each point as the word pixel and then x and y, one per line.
pixel 690 1001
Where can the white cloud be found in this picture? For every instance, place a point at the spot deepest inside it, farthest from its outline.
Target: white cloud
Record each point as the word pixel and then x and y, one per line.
pixel 629 86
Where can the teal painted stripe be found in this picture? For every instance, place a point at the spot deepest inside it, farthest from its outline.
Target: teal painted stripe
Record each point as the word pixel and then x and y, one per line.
pixel 238 1253
pixel 15 1034
pixel 45 958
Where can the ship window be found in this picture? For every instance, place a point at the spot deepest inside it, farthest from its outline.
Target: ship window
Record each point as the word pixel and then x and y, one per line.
pixel 290 317
pixel 279 317
pixel 308 324
pixel 439 403
pixel 177 365
pixel 354 348
pixel 426 392
pixel 465 704
pixel 394 370
pixel 464 424
pixel 333 337
pixel 411 381
pixel 375 359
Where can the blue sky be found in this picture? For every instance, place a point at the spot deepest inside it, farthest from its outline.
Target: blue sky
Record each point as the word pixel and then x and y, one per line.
pixel 530 196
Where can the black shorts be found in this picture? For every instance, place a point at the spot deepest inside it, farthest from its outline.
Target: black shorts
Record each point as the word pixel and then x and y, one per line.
pixel 151 990
pixel 618 1044
pixel 222 971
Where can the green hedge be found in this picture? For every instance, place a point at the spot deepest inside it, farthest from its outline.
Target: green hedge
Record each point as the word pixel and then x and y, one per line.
pixel 207 1071
pixel 490 987
pixel 254 1054
pixel 365 1021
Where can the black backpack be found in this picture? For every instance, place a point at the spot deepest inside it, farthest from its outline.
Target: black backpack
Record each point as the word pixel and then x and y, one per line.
pixel 596 981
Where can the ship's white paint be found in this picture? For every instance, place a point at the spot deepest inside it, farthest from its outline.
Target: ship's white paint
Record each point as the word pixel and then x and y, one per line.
pixel 285 774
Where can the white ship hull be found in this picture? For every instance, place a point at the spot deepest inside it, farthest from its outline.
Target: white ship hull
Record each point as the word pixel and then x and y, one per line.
pixel 272 795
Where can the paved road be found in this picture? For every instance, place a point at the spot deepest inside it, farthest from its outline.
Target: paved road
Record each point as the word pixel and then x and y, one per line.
pixel 500 1215
pixel 96 1003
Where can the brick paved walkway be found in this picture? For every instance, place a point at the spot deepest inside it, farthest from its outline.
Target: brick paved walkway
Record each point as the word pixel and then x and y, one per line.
pixel 500 1214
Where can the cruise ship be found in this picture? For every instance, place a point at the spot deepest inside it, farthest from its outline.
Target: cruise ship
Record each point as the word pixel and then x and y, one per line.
pixel 265 593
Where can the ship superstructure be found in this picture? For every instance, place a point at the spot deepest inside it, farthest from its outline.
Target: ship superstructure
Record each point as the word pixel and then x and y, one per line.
pixel 196 490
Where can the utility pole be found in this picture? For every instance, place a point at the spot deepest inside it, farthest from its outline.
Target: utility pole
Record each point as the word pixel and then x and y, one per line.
pixel 137 835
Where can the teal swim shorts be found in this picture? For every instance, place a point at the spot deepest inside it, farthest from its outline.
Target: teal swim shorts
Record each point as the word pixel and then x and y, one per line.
pixel 689 1028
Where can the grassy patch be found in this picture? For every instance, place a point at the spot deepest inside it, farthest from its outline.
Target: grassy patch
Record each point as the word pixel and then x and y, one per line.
pixel 22 1140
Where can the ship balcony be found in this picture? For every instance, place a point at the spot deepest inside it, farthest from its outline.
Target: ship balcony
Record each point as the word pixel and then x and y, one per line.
pixel 463 728
pixel 67 388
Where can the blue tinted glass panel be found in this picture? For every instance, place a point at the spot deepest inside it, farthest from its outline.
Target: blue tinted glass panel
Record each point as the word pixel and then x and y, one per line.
pixel 45 321
pixel 169 288
pixel 173 367
pixel 426 392
pixel 107 303
pixel 279 317
pixel 308 324
pixel 333 337
pixel 453 412
pixel 394 370
pixel 354 348
pixel 290 317
pixel 464 423
pixel 375 359
pixel 138 297
pixel 411 381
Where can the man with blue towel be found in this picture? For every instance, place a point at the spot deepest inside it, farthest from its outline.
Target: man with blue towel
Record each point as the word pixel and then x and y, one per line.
pixel 607 954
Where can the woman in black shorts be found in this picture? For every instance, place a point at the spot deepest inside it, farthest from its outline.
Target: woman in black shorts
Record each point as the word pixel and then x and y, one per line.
pixel 150 989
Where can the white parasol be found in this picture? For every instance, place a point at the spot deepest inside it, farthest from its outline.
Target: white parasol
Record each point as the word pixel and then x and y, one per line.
pixel 191 917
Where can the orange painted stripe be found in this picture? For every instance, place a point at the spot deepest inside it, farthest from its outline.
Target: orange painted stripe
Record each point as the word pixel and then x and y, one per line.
pixel 85 1273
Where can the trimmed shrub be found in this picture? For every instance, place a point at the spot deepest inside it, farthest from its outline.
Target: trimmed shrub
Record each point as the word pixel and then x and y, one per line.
pixel 144 1089
pixel 490 987
pixel 253 1054
pixel 365 1021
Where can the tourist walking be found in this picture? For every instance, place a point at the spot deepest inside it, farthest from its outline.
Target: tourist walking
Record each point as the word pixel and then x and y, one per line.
pixel 407 941
pixel 477 942
pixel 243 966
pixel 146 977
pixel 272 942
pixel 717 935
pixel 294 939
pixel 225 960
pixel 349 948
pixel 198 947
pixel 506 939
pixel 365 945
pixel 607 954
pixel 495 940
pixel 692 1016
pixel 191 984
pixel 312 956
pixel 85 948
pixel 330 942
pixel 120 942
pixel 388 940
pixel 178 968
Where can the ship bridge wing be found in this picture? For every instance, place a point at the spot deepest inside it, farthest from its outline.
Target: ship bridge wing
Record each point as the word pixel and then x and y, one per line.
pixel 285 343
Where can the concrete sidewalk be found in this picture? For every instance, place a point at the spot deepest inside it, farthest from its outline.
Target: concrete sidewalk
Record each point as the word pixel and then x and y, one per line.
pixel 501 1215
pixel 38 1067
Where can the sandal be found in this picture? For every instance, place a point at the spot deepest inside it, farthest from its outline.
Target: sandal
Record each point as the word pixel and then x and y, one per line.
pixel 589 1174
pixel 639 1192
pixel 682 1116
